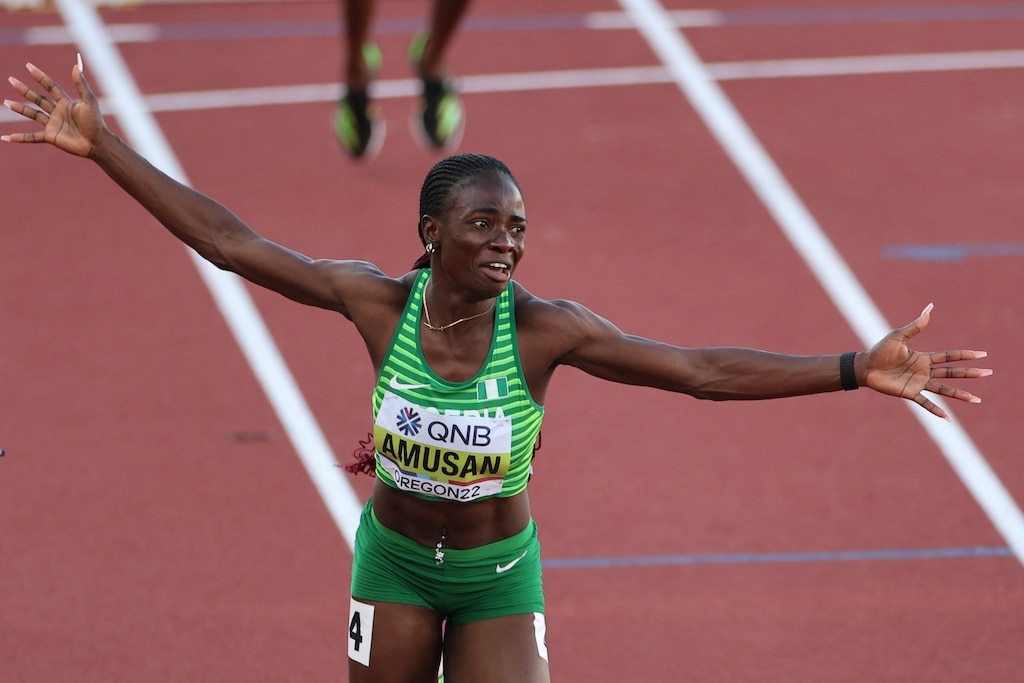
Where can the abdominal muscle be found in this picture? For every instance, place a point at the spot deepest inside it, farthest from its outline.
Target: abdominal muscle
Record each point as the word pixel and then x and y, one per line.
pixel 464 525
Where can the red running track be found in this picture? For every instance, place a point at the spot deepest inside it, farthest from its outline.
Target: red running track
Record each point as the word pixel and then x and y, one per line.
pixel 156 524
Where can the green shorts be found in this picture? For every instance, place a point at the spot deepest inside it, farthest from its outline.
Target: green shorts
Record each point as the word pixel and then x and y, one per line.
pixel 496 580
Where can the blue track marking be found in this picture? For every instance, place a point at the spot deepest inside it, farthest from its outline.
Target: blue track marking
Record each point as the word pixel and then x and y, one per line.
pixel 777 558
pixel 871 15
pixel 567 22
pixel 952 253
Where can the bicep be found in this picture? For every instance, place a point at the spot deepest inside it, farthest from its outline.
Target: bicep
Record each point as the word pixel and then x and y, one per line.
pixel 601 349
pixel 719 373
pixel 321 283
pixel 629 359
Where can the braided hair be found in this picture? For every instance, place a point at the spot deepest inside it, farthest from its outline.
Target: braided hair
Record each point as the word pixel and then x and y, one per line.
pixel 435 200
pixel 443 178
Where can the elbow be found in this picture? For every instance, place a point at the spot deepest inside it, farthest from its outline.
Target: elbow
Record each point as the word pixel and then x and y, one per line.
pixel 705 395
pixel 214 256
pixel 224 250
pixel 222 265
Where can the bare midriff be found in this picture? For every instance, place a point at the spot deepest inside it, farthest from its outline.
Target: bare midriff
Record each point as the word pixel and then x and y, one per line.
pixel 463 525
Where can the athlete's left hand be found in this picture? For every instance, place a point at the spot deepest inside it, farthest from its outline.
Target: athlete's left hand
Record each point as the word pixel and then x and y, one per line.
pixel 892 367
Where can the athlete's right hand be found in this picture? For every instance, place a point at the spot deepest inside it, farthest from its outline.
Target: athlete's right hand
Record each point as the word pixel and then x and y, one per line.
pixel 74 126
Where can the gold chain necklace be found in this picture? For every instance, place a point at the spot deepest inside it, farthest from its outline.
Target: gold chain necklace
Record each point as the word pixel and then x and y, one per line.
pixel 442 328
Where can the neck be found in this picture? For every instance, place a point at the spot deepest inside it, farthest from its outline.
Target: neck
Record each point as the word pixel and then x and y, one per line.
pixel 430 325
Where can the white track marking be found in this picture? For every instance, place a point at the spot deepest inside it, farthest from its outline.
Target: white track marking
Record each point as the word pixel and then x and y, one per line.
pixel 104 64
pixel 570 78
pixel 810 241
pixel 696 81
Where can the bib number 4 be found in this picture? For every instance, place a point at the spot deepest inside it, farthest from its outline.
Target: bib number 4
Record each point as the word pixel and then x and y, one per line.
pixel 360 631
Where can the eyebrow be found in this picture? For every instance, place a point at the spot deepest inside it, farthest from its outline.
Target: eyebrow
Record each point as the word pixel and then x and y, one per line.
pixel 493 210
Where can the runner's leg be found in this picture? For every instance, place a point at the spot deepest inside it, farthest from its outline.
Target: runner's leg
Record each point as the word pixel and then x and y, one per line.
pixel 357 15
pixel 444 19
pixel 499 650
pixel 401 642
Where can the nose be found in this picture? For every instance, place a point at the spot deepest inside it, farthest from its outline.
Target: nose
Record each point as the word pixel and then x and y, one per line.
pixel 503 241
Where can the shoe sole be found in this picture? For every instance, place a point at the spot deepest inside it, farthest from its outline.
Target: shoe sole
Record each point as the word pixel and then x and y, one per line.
pixel 378 131
pixel 426 142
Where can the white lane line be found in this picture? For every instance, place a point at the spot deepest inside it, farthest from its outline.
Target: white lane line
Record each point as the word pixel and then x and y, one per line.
pixel 106 65
pixel 810 241
pixel 692 18
pixel 582 78
pixel 869 64
pixel 866 320
pixel 116 33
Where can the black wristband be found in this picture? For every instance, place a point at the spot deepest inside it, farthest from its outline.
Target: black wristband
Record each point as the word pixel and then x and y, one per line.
pixel 846 374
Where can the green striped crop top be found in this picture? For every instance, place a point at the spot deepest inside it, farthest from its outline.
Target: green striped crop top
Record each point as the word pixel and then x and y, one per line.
pixel 457 441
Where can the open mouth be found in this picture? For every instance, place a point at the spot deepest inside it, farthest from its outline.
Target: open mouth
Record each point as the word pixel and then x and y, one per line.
pixel 501 270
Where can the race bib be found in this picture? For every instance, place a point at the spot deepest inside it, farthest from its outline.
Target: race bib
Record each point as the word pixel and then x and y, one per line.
pixel 454 457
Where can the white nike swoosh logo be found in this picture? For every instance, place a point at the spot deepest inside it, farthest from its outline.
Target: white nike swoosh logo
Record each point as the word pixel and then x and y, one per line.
pixel 395 384
pixel 499 569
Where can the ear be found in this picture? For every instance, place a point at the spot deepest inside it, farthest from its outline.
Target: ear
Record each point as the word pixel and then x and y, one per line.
pixel 429 228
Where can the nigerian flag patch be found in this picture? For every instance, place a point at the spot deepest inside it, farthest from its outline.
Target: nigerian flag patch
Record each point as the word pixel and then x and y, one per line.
pixel 490 389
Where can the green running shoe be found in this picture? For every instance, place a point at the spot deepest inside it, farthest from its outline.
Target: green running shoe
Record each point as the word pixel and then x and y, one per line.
pixel 358 125
pixel 357 121
pixel 439 121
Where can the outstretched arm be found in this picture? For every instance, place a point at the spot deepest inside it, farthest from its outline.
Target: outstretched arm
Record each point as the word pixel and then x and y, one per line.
pixel 890 366
pixel 218 235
